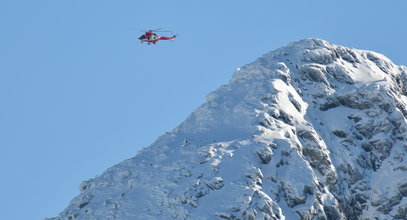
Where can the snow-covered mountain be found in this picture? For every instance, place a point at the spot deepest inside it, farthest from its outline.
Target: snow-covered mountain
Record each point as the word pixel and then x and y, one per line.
pixel 309 131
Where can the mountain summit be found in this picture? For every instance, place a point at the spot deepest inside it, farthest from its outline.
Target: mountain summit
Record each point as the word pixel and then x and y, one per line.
pixel 308 131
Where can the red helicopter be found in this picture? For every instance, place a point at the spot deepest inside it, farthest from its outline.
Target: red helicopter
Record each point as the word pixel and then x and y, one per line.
pixel 150 36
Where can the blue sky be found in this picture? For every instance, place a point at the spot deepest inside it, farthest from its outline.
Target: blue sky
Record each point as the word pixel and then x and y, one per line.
pixel 79 93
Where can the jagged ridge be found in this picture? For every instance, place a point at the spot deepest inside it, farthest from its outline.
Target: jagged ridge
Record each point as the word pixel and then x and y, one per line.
pixel 309 131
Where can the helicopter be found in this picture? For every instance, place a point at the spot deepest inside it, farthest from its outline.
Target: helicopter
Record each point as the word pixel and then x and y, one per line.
pixel 150 36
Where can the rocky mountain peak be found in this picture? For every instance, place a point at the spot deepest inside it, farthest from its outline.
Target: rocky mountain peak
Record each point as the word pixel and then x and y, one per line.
pixel 308 131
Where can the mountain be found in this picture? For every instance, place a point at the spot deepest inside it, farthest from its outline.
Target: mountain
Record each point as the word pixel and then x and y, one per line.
pixel 308 131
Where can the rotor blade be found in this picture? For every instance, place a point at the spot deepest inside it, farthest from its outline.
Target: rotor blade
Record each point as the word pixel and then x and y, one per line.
pixel 156 30
pixel 153 30
pixel 138 29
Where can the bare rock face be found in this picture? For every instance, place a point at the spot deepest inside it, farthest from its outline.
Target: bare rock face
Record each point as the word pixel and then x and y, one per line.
pixel 309 131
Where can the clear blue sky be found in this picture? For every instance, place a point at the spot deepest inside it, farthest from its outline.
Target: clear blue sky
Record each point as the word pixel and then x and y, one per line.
pixel 79 93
